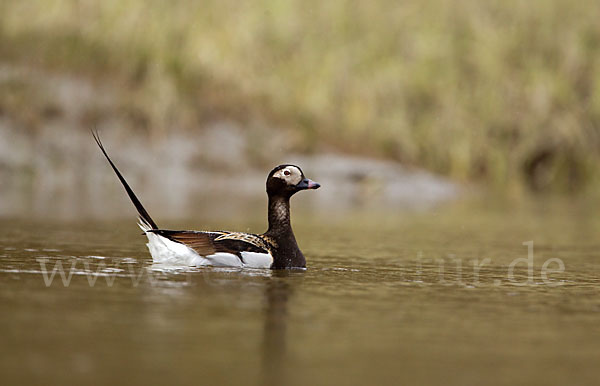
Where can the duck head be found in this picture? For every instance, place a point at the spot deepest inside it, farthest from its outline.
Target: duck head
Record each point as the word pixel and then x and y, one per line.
pixel 285 180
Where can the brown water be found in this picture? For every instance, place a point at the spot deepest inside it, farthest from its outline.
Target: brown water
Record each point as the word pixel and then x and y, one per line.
pixel 387 299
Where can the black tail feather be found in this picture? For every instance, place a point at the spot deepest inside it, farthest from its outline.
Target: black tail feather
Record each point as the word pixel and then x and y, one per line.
pixel 144 216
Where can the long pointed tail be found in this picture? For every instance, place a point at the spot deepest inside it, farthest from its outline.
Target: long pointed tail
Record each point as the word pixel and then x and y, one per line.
pixel 145 219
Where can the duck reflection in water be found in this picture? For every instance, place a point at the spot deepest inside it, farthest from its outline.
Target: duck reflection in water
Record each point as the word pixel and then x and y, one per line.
pixel 277 294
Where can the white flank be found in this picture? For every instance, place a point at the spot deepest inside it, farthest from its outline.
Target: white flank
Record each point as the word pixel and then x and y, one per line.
pixel 257 260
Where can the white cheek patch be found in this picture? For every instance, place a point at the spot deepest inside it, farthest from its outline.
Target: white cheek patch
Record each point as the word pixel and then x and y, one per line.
pixel 295 175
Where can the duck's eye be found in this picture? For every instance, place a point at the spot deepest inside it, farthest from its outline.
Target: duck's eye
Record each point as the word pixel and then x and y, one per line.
pixel 286 173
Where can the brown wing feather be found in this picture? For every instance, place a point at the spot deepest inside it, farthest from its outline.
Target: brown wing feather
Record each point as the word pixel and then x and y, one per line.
pixel 199 242
pixel 207 243
pixel 249 238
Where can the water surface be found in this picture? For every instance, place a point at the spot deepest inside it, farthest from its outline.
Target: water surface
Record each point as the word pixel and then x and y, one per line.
pixel 388 298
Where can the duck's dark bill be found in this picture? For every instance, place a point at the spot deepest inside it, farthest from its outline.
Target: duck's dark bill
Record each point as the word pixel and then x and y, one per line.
pixel 313 185
pixel 308 184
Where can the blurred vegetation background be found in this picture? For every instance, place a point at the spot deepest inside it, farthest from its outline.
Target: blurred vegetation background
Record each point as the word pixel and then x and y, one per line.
pixel 505 93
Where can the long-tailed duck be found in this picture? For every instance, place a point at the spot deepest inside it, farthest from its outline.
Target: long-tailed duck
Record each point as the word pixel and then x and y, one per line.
pixel 275 249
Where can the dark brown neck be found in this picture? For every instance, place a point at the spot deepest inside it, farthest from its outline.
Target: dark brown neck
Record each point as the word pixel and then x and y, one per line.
pixel 286 254
pixel 279 216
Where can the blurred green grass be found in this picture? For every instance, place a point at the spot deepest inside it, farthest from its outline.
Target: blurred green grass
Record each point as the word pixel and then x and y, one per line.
pixel 502 92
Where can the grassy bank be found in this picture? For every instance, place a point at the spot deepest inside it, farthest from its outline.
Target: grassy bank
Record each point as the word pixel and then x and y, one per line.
pixel 504 92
